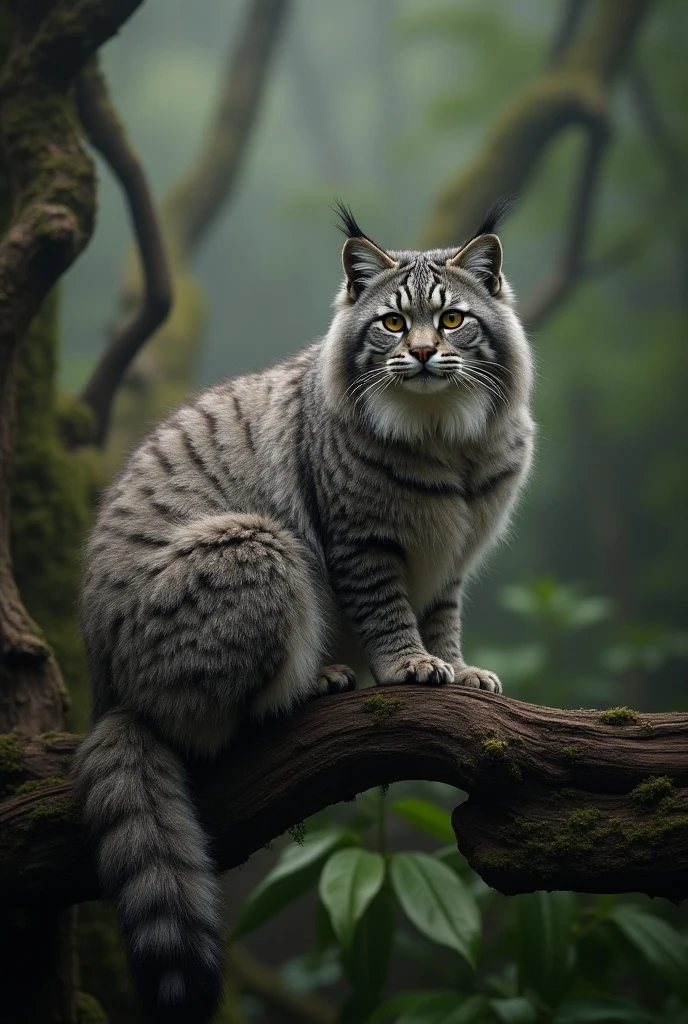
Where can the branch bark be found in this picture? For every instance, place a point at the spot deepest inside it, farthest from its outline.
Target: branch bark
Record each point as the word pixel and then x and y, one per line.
pixel 107 135
pixel 558 799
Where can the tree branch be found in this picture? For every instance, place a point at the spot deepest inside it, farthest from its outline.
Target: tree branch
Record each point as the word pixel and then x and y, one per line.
pixel 552 292
pixel 554 798
pixel 194 202
pixel 161 375
pixel 572 14
pixel 107 135
pixel 574 91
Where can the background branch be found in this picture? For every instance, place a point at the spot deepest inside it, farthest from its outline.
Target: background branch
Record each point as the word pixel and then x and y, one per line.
pixel 107 135
pixel 194 201
pixel 555 289
pixel 553 794
pixel 572 14
pixel 162 374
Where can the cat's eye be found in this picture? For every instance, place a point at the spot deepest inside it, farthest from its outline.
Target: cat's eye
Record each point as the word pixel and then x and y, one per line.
pixel 451 319
pixel 394 323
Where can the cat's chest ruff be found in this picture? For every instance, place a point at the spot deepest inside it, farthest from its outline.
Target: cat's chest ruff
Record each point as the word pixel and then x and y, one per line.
pixel 435 558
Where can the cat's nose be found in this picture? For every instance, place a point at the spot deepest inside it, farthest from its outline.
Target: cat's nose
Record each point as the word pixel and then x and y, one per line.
pixel 422 352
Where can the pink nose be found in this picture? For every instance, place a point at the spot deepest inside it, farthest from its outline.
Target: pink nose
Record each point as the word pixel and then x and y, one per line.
pixel 422 352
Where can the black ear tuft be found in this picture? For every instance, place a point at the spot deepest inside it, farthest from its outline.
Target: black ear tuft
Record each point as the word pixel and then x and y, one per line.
pixel 348 225
pixel 498 209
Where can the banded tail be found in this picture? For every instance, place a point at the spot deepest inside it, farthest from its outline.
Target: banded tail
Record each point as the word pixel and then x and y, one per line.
pixel 153 862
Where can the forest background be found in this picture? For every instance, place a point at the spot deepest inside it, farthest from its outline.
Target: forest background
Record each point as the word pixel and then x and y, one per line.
pixel 383 104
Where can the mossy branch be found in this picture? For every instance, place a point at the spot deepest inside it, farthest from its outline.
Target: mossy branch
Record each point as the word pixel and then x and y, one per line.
pixel 573 92
pixel 612 818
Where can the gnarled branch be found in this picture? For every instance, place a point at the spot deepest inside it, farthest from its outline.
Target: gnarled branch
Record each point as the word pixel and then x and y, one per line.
pixel 107 135
pixel 161 375
pixel 555 288
pixel 581 800
pixel 193 203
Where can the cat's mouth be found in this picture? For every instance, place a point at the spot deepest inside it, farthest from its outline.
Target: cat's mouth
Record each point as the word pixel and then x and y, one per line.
pixel 425 381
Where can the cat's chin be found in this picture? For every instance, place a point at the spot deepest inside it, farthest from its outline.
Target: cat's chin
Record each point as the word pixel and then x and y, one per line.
pixel 424 384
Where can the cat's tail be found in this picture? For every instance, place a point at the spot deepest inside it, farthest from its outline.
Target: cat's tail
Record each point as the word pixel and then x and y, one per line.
pixel 153 862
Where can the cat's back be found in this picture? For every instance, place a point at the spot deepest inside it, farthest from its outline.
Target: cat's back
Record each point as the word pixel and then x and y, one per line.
pixel 234 447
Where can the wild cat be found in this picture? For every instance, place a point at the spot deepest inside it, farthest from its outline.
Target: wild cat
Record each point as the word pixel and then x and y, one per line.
pixel 272 536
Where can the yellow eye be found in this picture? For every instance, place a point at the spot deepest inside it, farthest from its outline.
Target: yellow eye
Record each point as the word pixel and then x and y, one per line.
pixel 451 319
pixel 393 322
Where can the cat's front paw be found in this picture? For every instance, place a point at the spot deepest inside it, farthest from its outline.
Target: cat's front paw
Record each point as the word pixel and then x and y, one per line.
pixel 336 679
pixel 478 678
pixel 421 668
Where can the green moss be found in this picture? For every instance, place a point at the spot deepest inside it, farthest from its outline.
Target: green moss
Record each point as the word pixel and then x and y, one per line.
pixel 541 844
pixel 64 809
pixel 47 739
pixel 75 421
pixel 34 785
pixel 656 829
pixel 559 795
pixel 52 500
pixel 652 790
pixel 380 706
pixel 619 716
pixel 298 832
pixel 544 845
pixel 571 753
pixel 493 749
pixel 10 753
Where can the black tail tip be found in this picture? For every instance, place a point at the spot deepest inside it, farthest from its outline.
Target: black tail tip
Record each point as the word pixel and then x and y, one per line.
pixel 179 995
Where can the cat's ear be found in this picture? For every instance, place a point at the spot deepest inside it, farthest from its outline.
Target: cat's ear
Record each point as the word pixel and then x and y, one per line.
pixel 482 258
pixel 363 261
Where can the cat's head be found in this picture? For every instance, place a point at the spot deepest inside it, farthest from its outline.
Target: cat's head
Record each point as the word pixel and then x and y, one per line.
pixel 427 341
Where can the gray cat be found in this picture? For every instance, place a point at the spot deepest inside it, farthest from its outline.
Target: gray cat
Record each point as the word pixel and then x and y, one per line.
pixel 272 537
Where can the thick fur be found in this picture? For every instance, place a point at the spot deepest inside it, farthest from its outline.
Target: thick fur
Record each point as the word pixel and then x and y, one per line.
pixel 325 510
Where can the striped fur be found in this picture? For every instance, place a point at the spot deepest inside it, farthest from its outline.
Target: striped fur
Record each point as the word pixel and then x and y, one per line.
pixel 274 530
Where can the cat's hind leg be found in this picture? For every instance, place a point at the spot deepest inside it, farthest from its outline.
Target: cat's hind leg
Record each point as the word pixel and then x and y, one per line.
pixel 227 624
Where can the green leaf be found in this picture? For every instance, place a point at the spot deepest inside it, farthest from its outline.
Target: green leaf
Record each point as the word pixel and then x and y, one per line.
pixel 427 817
pixel 603 1010
pixel 365 961
pixel 514 1011
pixel 655 940
pixel 432 1008
pixel 295 872
pixel 349 882
pixel 438 902
pixel 545 942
